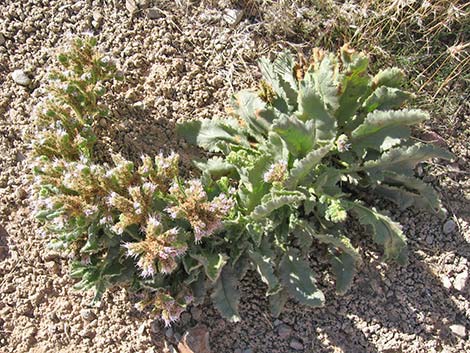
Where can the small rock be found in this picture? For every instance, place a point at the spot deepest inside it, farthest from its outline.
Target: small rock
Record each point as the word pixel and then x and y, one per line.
pixel 97 16
pixel 461 280
pixel 154 13
pixel 248 350
pixel 449 226
pixel 139 105
pixel 131 6
pixel 2 39
pixel 88 315
pixel 21 193
pixel 20 77
pixel 232 16
pixel 429 239
pixel 238 350
pixel 141 330
pixel 169 332
pixel 196 313
pixel 195 340
pixel 185 318
pixel 284 331
pixel 446 282
pixel 277 322
pixel 296 344
pixel 103 122
pixel 458 330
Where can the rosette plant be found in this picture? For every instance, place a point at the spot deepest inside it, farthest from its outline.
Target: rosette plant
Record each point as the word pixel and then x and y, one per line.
pixel 304 151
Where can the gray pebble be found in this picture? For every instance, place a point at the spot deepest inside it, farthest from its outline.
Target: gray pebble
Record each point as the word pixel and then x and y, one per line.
pixel 2 39
pixel 196 313
pixel 154 14
pixel 20 77
pixel 429 239
pixel 169 332
pixel 284 331
pixel 248 350
pixel 449 226
pixel 185 318
pixel 296 344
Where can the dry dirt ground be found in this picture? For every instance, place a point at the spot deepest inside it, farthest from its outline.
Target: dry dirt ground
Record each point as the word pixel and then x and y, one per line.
pixel 183 61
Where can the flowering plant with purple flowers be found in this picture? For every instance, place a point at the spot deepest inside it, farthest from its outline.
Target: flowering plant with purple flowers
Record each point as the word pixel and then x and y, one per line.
pixel 289 167
pixel 138 226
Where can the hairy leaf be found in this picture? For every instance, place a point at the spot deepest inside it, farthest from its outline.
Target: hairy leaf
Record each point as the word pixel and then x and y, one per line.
pixel 297 135
pixel 297 277
pixel 305 165
pixel 211 134
pixel 264 266
pixel 226 295
pixel 274 202
pixel 384 98
pixel 386 232
pixel 212 263
pixel 312 108
pixel 344 268
pixel 278 301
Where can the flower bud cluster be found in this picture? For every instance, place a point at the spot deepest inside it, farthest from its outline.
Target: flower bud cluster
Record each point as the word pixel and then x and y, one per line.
pixel 159 251
pixel 192 204
pixel 277 172
pixel 168 307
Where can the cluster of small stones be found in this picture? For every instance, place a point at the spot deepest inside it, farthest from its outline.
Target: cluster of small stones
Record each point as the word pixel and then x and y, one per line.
pixel 183 61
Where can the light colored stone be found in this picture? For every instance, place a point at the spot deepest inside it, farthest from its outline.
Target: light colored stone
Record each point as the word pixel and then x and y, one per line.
pixel 232 16
pixel 20 77
pixel 446 282
pixel 131 6
pixel 458 330
pixel 2 39
pixel 461 280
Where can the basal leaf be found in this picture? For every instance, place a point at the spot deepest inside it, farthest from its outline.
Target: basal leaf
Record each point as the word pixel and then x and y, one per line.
pixel 298 279
pixel 211 134
pixel 217 167
pixel 379 120
pixel 403 159
pixel 344 268
pixel 385 232
pixel 264 266
pixel 253 111
pixel 226 295
pixel 312 108
pixel 278 301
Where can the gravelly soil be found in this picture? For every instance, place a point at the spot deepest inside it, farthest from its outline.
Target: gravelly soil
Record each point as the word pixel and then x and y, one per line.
pixel 182 63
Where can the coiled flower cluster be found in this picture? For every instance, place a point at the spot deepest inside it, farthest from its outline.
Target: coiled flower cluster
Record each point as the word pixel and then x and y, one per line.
pixel 192 204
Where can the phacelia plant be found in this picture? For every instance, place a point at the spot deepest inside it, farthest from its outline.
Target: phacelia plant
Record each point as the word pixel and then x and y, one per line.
pixel 292 165
pixel 304 151
pixel 138 226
